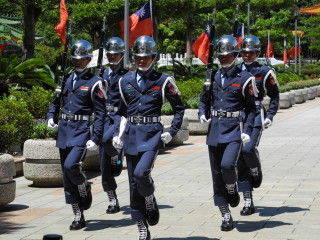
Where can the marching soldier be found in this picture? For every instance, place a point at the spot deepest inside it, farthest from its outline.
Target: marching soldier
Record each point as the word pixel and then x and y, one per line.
pixel 144 92
pixel 231 122
pixel 81 97
pixel 249 166
pixel 110 157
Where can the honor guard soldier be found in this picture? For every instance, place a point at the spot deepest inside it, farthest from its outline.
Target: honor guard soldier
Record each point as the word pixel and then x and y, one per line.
pixel 144 93
pixel 231 121
pixel 110 157
pixel 81 97
pixel 249 166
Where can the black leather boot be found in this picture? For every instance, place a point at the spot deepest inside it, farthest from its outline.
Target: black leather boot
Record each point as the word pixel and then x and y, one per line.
pixel 256 175
pixel 114 203
pixel 144 233
pixel 248 208
pixel 78 221
pixel 152 210
pixel 85 195
pixel 227 221
pixel 116 166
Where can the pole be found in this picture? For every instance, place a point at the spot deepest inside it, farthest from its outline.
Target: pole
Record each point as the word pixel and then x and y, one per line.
pixel 248 30
pixel 299 57
pixel 295 39
pixel 126 34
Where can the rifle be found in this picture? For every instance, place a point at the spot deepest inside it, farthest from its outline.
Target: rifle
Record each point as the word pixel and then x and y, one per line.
pixel 207 84
pixel 100 56
pixel 62 74
pixel 236 23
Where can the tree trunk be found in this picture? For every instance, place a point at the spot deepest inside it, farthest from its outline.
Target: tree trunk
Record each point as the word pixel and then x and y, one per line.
pixel 29 8
pixel 189 41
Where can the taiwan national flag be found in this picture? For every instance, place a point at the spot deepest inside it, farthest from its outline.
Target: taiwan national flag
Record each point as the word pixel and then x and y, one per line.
pixel 140 24
pixel 239 34
pixel 61 28
pixel 201 45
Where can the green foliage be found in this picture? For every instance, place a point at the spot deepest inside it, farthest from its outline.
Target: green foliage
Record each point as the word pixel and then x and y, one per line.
pixel 299 85
pixel 284 78
pixel 166 109
pixel 37 100
pixel 47 54
pixel 32 72
pixel 41 131
pixel 190 89
pixel 15 122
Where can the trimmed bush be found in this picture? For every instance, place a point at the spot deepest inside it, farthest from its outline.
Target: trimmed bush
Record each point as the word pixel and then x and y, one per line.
pixel 37 99
pixel 41 131
pixel 15 122
pixel 299 85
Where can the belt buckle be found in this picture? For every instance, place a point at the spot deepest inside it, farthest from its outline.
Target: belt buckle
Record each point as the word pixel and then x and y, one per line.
pixel 109 108
pixel 138 119
pixel 69 116
pixel 221 114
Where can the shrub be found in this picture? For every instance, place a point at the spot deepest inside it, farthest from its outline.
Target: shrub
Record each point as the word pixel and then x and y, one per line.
pixel 299 85
pixel 37 99
pixel 41 131
pixel 191 88
pixel 15 122
pixel 284 78
pixel 166 109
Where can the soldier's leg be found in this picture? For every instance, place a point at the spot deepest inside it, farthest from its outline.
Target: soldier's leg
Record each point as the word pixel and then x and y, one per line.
pixel 142 176
pixel 251 157
pixel 219 189
pixel 108 180
pixel 137 201
pixel 229 173
pixel 73 182
pixel 245 186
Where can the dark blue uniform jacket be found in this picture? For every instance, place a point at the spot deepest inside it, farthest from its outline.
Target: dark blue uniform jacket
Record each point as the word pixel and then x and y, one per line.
pixel 237 94
pixel 85 98
pixel 113 99
pixel 148 102
pixel 267 85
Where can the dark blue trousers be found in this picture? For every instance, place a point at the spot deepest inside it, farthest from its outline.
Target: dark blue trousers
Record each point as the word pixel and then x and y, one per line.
pixel 249 158
pixel 107 151
pixel 72 174
pixel 223 161
pixel 140 181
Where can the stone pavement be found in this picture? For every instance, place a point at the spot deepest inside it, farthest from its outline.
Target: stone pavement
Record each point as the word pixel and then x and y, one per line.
pixel 288 202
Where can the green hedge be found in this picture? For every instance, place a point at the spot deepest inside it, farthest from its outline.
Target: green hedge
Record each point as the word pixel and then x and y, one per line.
pixel 299 85
pixel 15 122
pixel 41 131
pixel 37 99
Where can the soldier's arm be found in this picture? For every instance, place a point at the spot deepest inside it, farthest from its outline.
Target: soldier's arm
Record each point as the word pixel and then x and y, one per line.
pixel 272 89
pixel 171 93
pixel 249 93
pixel 99 109
pixel 54 107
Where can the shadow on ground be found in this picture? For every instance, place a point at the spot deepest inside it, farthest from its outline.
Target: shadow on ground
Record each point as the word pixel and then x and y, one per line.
pixel 272 211
pixel 7 213
pixel 186 238
pixel 252 226
pixel 93 225
pixel 126 210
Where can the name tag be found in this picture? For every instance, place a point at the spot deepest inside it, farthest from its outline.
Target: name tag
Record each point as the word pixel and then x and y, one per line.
pixel 83 88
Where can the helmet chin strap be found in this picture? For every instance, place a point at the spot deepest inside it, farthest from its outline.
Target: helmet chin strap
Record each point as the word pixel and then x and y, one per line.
pixel 79 70
pixel 146 69
pixel 228 65
pixel 249 63
pixel 116 63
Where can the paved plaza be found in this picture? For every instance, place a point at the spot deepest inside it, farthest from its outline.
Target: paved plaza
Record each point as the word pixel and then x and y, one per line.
pixel 288 202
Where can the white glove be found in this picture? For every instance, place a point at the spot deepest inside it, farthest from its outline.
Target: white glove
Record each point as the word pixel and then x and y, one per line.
pixel 117 142
pixel 91 146
pixel 166 137
pixel 122 127
pixel 267 123
pixel 204 120
pixel 52 125
pixel 245 138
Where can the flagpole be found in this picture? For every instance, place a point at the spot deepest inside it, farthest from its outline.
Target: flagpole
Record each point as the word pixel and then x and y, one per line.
pixel 299 44
pixel 285 50
pixel 248 30
pixel 296 39
pixel 126 34
pixel 151 14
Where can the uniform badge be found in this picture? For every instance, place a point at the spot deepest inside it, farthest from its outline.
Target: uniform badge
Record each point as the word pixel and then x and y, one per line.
pixel 272 81
pixel 171 89
pixel 258 78
pixel 155 87
pixel 100 94
pixel 235 85
pixel 84 88
pixel 250 89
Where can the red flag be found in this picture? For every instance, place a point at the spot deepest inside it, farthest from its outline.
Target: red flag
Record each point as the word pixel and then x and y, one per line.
pixel 140 24
pixel 269 52
pixel 200 47
pixel 311 10
pixel 285 52
pixel 1 47
pixel 239 35
pixel 61 28
pixel 292 52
